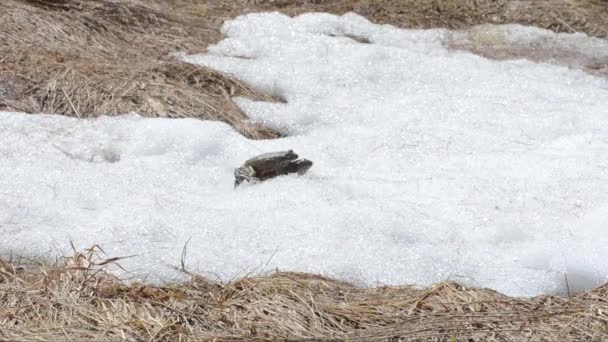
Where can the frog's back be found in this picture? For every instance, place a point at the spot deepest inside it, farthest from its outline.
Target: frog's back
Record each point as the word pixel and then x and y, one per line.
pixel 267 160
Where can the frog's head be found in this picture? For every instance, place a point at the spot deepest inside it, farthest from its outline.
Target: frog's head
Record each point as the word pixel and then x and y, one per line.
pixel 302 166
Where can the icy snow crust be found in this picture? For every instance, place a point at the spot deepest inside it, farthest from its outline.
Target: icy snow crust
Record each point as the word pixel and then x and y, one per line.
pixel 429 165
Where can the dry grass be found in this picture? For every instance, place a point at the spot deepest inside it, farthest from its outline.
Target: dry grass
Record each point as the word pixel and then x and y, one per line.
pixel 90 58
pixel 77 300
pixel 156 89
pixel 589 16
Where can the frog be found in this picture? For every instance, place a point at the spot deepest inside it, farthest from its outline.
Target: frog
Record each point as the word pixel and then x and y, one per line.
pixel 269 165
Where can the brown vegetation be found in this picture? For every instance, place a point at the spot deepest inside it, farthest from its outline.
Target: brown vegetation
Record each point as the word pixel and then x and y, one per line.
pixel 78 300
pixel 589 16
pixel 90 58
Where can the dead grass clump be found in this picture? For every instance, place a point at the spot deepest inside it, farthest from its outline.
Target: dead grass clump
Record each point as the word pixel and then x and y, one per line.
pixel 588 16
pixel 169 89
pixel 90 29
pixel 85 59
pixel 77 300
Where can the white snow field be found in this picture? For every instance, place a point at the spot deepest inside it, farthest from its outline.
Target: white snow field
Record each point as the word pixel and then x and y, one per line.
pixel 430 165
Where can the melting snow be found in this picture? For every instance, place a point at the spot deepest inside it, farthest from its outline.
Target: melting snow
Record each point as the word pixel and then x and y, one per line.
pixel 430 165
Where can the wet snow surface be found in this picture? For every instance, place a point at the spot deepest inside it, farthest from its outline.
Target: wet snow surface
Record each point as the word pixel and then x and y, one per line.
pixel 429 165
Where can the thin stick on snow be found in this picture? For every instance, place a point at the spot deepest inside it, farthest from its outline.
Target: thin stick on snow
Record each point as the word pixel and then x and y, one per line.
pixel 184 253
pixel 567 285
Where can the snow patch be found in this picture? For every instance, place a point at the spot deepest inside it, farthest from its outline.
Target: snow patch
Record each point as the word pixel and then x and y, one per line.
pixel 430 165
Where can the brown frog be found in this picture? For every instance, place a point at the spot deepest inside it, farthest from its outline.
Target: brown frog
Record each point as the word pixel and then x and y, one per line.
pixel 270 165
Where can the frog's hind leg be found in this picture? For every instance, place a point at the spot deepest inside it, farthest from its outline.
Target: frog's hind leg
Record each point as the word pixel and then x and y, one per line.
pixel 243 173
